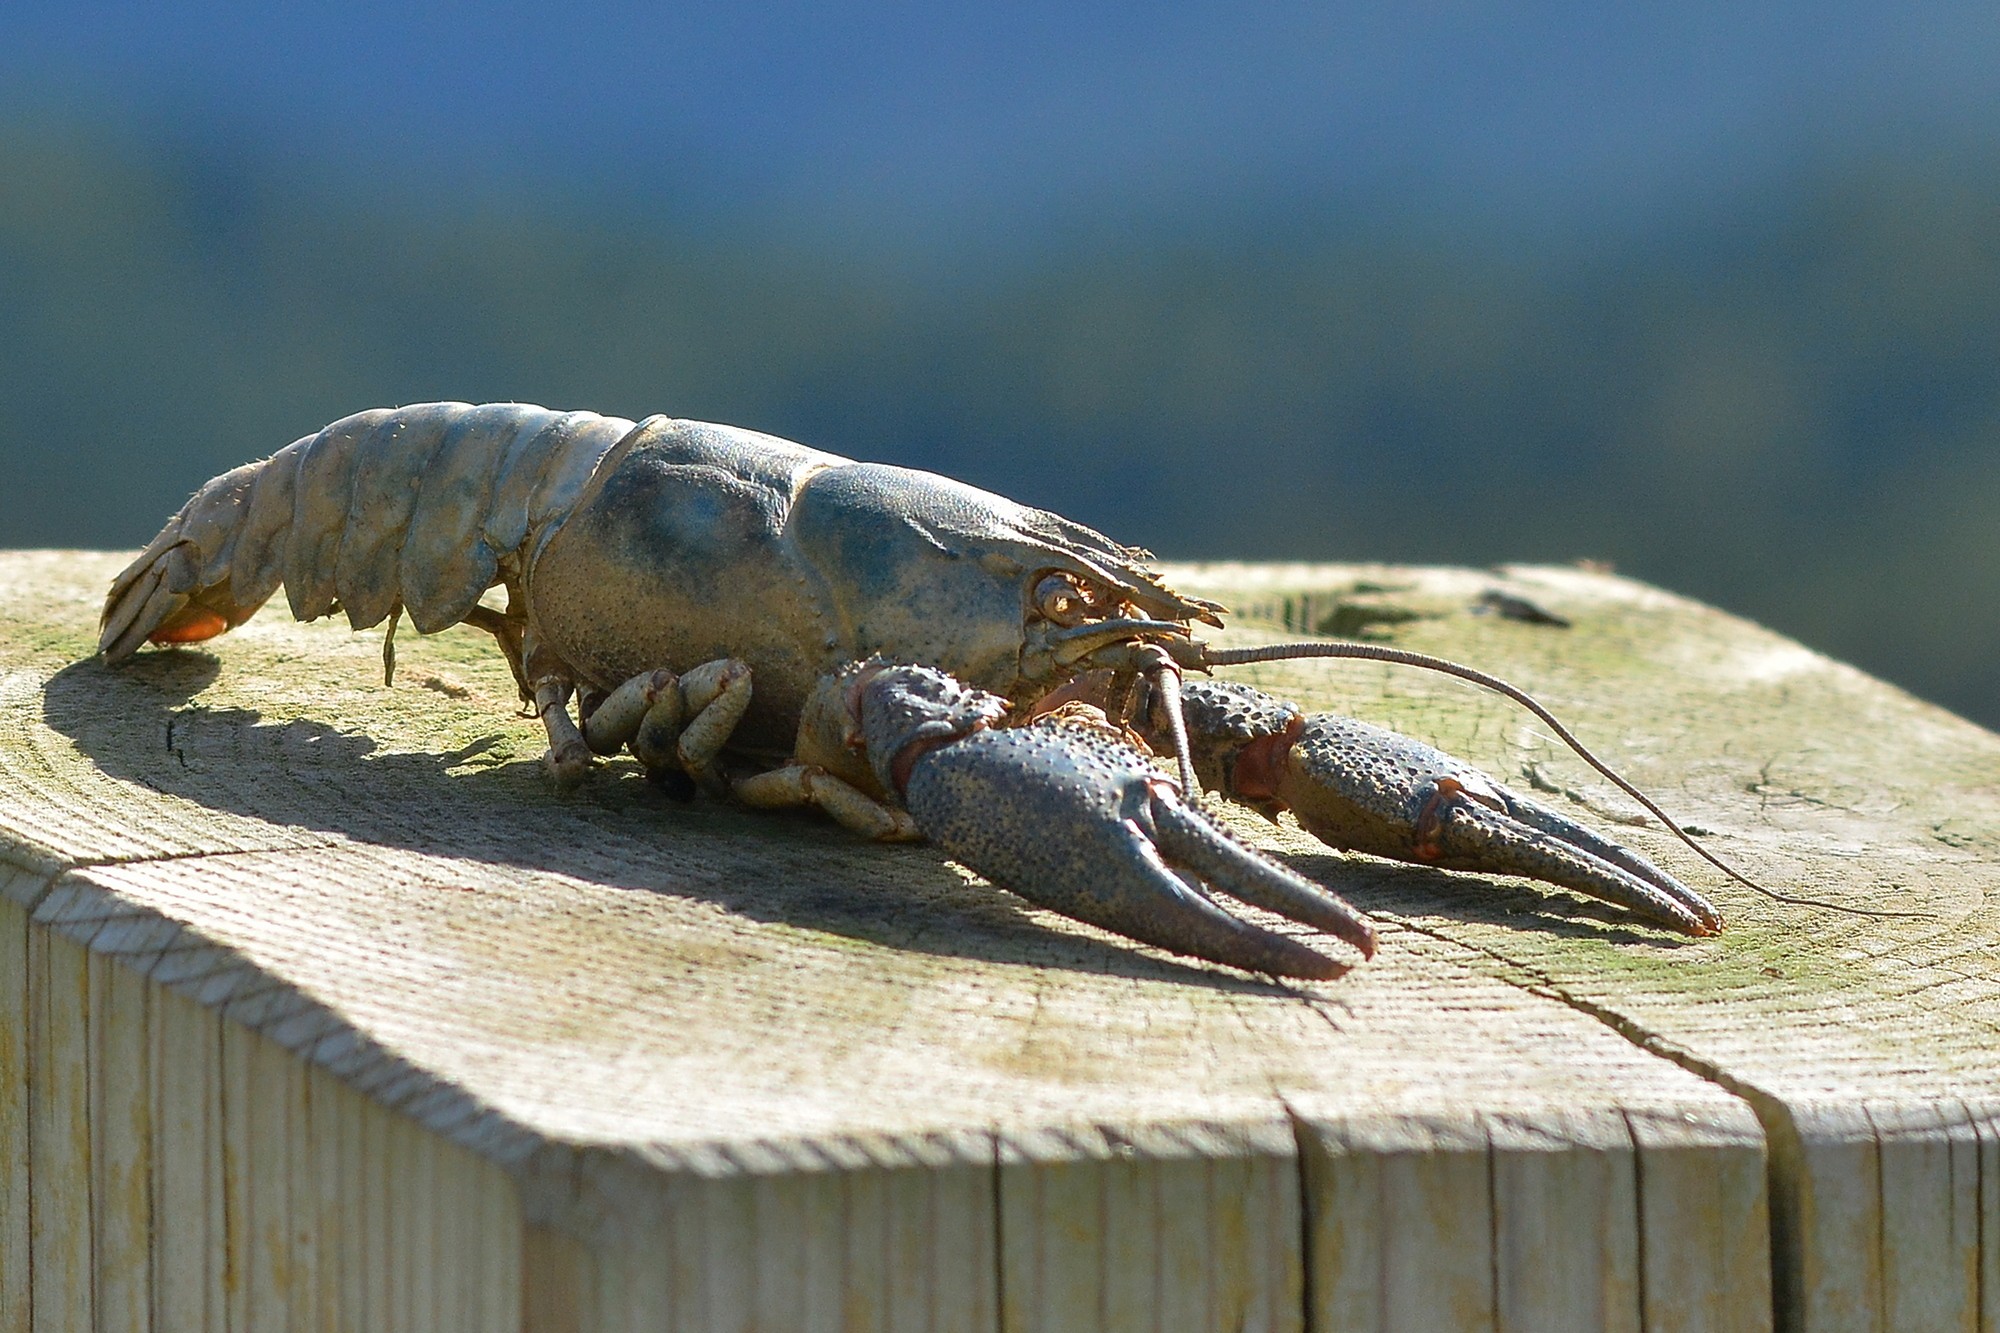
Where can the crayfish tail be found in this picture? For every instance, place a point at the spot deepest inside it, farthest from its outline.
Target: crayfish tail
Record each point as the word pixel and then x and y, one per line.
pixel 416 507
pixel 186 585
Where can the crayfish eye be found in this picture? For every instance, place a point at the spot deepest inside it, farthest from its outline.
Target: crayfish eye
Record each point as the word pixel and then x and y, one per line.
pixel 1061 600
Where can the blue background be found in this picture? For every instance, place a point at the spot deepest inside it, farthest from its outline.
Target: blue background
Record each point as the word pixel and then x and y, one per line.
pixel 1708 291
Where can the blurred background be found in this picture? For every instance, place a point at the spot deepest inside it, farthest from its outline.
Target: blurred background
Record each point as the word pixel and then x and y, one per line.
pixel 1707 291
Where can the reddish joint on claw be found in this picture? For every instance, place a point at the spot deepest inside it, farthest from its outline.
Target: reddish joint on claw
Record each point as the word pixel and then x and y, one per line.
pixel 1260 765
pixel 855 741
pixel 1427 846
pixel 906 758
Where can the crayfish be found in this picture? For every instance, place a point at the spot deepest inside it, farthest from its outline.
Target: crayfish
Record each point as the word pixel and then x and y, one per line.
pixel 918 658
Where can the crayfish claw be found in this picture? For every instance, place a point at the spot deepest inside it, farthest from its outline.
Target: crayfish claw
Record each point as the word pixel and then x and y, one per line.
pixel 1604 867
pixel 1063 820
pixel 1463 834
pixel 1192 839
pixel 1077 822
pixel 1365 788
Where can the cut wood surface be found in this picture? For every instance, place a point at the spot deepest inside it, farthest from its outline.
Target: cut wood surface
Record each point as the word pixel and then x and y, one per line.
pixel 744 1070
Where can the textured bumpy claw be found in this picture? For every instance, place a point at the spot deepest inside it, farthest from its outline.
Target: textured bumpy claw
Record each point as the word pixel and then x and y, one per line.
pixel 1364 788
pixel 1086 826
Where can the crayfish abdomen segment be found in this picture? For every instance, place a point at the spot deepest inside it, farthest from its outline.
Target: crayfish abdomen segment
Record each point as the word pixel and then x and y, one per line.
pixel 422 508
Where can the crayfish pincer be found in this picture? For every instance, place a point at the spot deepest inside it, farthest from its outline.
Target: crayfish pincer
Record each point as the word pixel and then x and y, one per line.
pixel 781 626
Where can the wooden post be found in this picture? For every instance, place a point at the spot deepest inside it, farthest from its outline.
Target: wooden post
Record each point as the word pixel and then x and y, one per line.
pixel 318 1008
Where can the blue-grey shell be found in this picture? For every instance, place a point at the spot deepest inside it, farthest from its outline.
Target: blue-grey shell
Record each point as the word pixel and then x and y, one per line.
pixel 696 541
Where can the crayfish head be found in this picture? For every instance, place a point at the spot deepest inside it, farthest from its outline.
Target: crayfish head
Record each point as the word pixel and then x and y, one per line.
pixel 1075 626
pixel 1097 642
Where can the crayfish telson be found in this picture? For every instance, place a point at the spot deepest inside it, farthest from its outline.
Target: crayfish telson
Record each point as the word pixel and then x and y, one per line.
pixel 769 622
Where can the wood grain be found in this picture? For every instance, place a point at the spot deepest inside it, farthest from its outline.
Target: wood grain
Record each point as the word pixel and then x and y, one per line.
pixel 1859 1020
pixel 62 1284
pixel 16 1144
pixel 607 1061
